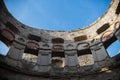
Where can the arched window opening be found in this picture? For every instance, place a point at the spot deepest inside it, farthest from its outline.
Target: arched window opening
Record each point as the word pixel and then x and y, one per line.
pixel 30 55
pixel 57 40
pixel 7 37
pixel 58 48
pixel 58 59
pixel 34 37
pixel 32 48
pixel 3 48
pixel 80 38
pixel 118 9
pixel 85 58
pixel 103 28
pixel 12 27
pixel 58 62
pixel 114 48
pixel 58 54
pixel 109 41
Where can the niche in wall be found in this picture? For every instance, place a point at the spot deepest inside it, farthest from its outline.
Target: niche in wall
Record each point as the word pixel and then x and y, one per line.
pixel 29 57
pixel 58 62
pixel 34 37
pixel 57 40
pixel 103 28
pixel 12 27
pixel 31 52
pixel 80 38
pixel 58 59
pixel 85 57
pixel 7 36
pixel 57 45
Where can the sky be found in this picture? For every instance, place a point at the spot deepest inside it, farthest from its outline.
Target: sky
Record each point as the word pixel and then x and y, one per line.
pixel 61 15
pixel 114 48
pixel 3 49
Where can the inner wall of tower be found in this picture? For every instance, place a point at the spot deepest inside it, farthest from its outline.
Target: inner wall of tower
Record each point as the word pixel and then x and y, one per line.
pixel 36 54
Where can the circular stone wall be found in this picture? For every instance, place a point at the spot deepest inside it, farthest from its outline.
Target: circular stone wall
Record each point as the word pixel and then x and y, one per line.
pixel 38 54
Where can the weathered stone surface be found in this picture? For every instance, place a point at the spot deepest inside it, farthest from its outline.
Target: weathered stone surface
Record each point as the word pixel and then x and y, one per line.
pixel 99 52
pixel 33 51
pixel 71 58
pixel 86 60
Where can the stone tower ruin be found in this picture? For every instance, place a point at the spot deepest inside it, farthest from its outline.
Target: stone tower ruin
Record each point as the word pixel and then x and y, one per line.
pixel 37 54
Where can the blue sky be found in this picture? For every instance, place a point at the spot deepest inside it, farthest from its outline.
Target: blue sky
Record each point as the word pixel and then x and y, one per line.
pixel 3 48
pixel 114 48
pixel 62 15
pixel 57 14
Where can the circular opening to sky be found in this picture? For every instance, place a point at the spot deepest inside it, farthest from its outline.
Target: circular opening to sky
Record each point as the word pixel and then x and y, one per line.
pixel 62 15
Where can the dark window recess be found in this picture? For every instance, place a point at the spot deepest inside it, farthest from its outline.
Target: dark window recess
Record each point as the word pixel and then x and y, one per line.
pixel 12 27
pixel 58 54
pixel 103 28
pixel 57 63
pixel 84 52
pixel 118 9
pixel 80 38
pixel 31 51
pixel 34 37
pixel 57 40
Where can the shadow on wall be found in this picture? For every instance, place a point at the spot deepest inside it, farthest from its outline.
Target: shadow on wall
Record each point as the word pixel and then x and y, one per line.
pixel 3 78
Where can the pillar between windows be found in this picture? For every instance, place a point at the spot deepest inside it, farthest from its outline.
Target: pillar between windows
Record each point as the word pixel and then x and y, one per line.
pixel 44 60
pixel 71 58
pixel 99 53
pixel 15 54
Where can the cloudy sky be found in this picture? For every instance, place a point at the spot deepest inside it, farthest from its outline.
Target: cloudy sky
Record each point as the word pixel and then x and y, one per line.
pixel 62 15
